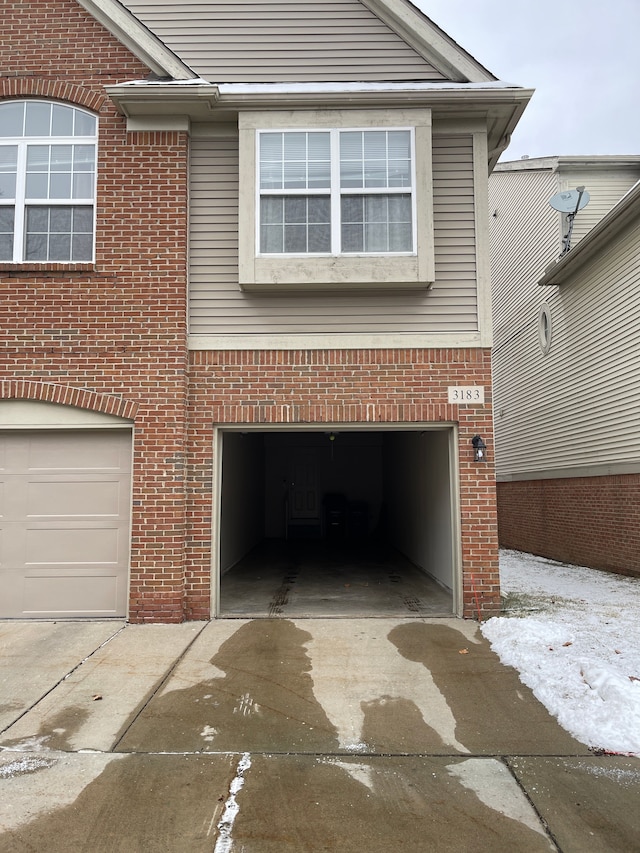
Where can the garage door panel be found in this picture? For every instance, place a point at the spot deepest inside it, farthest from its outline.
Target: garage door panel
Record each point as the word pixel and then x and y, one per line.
pixel 84 453
pixel 84 594
pixel 74 498
pixel 64 532
pixel 73 546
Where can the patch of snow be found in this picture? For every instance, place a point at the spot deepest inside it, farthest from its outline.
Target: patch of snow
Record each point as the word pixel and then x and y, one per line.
pixel 573 634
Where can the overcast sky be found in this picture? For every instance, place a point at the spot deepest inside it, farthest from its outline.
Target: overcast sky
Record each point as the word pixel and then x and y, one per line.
pixel 581 57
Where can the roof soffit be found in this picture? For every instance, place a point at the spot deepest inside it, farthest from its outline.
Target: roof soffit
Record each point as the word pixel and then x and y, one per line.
pixel 137 38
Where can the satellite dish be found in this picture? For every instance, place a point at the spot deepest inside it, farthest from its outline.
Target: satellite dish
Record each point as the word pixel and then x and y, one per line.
pixel 570 201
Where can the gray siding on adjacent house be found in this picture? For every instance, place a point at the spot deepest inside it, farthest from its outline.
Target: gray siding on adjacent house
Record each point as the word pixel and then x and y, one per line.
pixel 524 238
pixel 575 408
pixel 219 307
pixel 605 187
pixel 282 40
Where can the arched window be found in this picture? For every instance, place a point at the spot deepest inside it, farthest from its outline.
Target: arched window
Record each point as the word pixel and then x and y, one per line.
pixel 47 182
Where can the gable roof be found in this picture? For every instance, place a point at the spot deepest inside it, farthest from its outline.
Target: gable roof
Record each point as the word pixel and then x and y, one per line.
pixel 287 40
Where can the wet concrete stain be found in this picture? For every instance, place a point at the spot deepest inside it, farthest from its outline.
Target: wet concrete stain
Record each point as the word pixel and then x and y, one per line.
pixel 393 724
pixel 264 702
pixel 377 806
pixel 56 731
pixel 138 804
pixel 512 720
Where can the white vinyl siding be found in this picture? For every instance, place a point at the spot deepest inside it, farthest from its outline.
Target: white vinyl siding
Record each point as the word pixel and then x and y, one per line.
pixel 288 40
pixel 573 408
pixel 219 307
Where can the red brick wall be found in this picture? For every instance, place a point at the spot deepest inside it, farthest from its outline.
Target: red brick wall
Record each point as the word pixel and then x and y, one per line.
pixel 344 386
pixel 587 521
pixel 116 329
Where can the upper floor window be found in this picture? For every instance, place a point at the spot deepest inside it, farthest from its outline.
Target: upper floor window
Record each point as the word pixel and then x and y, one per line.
pixel 47 182
pixel 336 192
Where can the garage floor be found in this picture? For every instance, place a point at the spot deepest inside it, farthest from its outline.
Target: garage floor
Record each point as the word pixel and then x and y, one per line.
pixel 317 578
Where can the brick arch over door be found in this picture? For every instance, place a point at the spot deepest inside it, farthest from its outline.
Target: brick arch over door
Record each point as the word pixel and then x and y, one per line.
pixel 40 87
pixel 66 395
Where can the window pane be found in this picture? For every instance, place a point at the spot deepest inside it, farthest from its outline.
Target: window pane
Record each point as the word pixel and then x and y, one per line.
pixel 61 158
pixel 85 124
pixel 319 146
pixel 38 158
pixel 38 219
pixel 38 119
pixel 295 146
pixel 400 237
pixel 352 238
pixel 83 220
pixel 82 186
pixel 8 169
pixel 59 247
pixel 319 238
pixel 270 146
pixel 36 248
pixel 375 173
pixel 320 209
pixel 272 210
pixel 51 232
pixel 295 175
pixel 295 238
pixel 375 145
pixel 6 247
pixel 271 176
pixel 12 118
pixel 295 210
pixel 271 239
pixel 82 247
pixel 60 186
pixel 37 186
pixel 62 121
pixel 60 219
pixel 376 223
pixel 6 233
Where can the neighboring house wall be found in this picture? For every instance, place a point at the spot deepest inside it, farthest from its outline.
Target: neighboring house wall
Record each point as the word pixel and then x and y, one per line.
pixel 567 446
pixel 113 332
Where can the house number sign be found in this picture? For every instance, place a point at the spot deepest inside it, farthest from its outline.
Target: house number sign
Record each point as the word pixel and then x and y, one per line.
pixel 466 394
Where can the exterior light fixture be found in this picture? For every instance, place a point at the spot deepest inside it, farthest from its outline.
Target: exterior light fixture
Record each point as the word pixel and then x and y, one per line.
pixel 479 449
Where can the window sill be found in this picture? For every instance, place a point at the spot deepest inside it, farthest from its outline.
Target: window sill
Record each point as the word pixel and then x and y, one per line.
pixel 371 272
pixel 47 268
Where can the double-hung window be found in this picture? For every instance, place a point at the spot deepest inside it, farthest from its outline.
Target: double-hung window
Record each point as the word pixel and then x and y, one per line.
pixel 335 199
pixel 336 191
pixel 47 182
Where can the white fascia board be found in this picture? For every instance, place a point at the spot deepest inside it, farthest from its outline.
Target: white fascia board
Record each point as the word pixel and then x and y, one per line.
pixel 625 211
pixel 137 38
pixel 424 36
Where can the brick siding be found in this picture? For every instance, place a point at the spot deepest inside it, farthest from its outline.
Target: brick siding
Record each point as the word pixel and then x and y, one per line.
pixel 587 521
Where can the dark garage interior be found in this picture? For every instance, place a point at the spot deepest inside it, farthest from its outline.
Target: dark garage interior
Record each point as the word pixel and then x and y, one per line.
pixel 336 522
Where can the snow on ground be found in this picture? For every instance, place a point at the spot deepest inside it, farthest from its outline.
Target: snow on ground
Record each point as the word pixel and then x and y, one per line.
pixel 573 634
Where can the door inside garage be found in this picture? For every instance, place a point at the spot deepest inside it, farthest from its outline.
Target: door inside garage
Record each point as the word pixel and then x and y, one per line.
pixel 337 522
pixel 65 507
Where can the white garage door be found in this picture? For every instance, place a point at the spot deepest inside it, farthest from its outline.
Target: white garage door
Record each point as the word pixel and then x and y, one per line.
pixel 64 522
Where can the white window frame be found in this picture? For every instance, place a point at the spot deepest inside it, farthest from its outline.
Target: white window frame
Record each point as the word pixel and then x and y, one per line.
pixel 21 203
pixel 335 192
pixel 406 270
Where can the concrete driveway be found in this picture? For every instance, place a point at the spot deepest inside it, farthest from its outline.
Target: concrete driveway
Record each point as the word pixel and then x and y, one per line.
pixel 269 735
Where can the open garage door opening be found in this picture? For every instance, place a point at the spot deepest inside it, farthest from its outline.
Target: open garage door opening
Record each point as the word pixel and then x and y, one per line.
pixel 337 523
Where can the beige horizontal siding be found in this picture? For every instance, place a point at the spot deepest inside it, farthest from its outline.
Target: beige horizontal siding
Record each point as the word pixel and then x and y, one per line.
pixel 524 237
pixel 290 40
pixel 218 306
pixel 575 407
pixel 605 187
